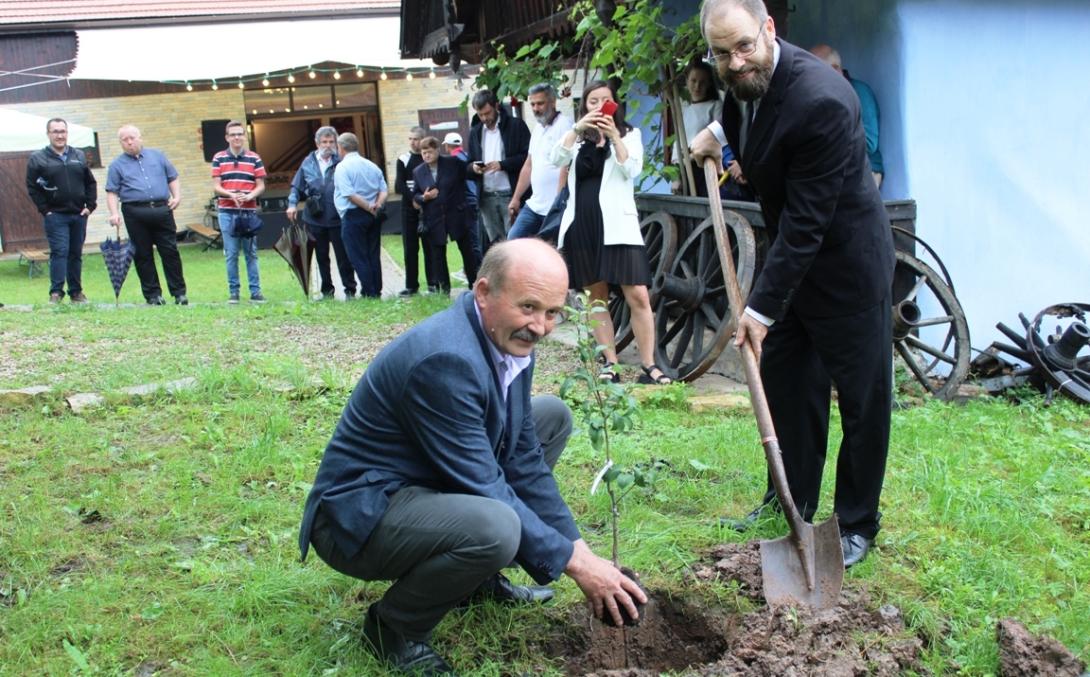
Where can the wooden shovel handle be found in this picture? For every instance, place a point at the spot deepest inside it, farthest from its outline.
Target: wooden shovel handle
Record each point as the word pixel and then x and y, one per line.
pixel 767 430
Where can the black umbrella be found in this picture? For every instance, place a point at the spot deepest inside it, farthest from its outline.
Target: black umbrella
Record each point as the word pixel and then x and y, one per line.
pixel 292 245
pixel 118 257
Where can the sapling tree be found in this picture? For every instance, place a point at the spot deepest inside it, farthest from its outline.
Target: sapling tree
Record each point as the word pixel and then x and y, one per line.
pixel 606 409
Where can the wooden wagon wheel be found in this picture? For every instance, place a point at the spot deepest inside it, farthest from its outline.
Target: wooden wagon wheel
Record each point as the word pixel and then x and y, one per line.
pixel 660 237
pixel 693 321
pixel 935 348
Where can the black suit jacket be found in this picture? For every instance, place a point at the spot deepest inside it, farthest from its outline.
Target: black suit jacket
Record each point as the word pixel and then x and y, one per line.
pixel 516 145
pixel 445 215
pixel 831 250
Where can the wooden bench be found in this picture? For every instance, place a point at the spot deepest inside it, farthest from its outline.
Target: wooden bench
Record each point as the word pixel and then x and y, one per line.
pixel 211 237
pixel 33 258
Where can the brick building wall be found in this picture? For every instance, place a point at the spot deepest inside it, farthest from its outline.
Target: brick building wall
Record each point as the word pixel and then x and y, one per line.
pixel 172 123
pixel 399 103
pixel 168 122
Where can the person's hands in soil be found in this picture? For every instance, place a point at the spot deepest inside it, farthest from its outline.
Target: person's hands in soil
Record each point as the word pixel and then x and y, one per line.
pixel 603 584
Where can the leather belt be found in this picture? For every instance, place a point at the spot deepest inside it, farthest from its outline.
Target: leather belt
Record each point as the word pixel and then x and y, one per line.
pixel 145 203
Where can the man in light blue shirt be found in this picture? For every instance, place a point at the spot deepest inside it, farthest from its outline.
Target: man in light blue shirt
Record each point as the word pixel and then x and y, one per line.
pixel 142 186
pixel 359 192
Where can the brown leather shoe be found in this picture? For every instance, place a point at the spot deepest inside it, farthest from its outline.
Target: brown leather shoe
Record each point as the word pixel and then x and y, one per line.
pixel 78 297
pixel 55 297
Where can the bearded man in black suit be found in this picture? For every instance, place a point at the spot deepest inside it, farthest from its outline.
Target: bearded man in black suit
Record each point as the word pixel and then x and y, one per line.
pixel 819 312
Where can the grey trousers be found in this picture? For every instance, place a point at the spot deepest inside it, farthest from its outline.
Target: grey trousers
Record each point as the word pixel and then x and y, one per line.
pixel 437 548
pixel 494 217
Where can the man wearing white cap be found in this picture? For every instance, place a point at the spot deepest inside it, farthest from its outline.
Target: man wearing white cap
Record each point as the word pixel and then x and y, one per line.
pixel 452 146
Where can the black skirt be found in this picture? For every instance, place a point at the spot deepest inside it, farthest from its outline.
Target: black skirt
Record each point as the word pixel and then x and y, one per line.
pixel 589 259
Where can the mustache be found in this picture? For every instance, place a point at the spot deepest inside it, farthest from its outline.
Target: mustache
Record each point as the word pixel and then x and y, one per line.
pixel 525 334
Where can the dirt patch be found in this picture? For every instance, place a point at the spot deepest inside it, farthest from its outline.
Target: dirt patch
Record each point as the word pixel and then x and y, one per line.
pixel 734 563
pixel 671 635
pixel 68 566
pixel 1022 653
pixel 854 638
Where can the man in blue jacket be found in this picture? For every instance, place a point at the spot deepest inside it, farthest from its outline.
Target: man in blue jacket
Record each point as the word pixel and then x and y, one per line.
pixel 59 181
pixel 438 474
pixel 313 185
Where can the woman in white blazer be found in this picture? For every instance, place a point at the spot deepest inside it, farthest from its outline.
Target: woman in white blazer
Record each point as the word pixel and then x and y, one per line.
pixel 600 230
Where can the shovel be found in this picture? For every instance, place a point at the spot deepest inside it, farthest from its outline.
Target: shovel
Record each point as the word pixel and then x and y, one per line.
pixel 806 567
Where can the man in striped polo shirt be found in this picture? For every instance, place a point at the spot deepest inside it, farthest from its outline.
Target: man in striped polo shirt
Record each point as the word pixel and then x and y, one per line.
pixel 238 178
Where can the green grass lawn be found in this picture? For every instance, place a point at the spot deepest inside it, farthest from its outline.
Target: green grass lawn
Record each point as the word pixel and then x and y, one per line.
pixel 160 535
pixel 205 277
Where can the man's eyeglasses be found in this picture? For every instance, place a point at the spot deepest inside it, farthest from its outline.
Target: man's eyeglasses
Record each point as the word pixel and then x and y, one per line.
pixel 742 51
pixel 237 134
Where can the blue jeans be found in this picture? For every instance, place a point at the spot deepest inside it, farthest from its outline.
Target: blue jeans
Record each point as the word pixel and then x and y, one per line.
pixel 231 247
pixel 527 224
pixel 362 241
pixel 66 233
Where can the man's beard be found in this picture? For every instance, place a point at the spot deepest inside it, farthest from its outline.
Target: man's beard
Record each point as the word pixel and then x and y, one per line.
pixel 756 85
pixel 545 118
pixel 325 153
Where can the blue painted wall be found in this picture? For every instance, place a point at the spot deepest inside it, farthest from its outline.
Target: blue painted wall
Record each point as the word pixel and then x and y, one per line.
pixel 986 121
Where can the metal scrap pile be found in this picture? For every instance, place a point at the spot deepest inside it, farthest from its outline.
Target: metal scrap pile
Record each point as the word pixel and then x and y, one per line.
pixel 1050 350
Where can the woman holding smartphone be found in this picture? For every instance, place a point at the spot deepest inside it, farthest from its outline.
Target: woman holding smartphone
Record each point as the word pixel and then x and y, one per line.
pixel 600 231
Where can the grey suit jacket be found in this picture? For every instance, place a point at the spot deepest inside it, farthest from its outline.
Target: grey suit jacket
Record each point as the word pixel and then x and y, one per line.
pixel 428 412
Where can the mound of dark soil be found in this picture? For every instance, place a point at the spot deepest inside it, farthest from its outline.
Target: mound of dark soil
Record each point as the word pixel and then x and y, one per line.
pixel 853 638
pixel 1021 653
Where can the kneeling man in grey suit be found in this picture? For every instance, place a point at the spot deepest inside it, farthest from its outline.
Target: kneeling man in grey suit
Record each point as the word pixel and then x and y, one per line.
pixel 439 473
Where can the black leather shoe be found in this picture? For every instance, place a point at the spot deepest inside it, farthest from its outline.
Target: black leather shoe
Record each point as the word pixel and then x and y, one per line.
pixel 181 300
pixel 156 301
pixel 500 589
pixel 752 517
pixel 855 548
pixel 408 292
pixel 405 655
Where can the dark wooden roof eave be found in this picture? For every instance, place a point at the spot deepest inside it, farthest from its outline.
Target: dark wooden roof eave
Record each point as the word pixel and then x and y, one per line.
pixel 553 27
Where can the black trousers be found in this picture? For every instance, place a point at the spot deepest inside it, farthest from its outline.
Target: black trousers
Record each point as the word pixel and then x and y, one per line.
pixel 441 270
pixel 148 227
pixel 411 243
pixel 801 358
pixel 323 238
pixel 436 547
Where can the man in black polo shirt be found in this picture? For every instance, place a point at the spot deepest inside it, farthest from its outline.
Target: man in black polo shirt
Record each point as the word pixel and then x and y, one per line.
pixel 146 184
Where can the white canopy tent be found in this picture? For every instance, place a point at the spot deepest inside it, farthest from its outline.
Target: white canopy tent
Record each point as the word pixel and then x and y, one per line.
pixel 230 50
pixel 24 132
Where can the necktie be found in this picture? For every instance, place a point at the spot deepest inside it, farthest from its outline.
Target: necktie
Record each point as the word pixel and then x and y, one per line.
pixel 747 121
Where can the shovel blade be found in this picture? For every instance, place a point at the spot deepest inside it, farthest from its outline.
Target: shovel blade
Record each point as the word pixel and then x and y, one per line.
pixel 805 568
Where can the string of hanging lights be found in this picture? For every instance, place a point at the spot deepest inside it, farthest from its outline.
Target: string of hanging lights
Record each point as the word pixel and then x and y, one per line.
pixel 273 78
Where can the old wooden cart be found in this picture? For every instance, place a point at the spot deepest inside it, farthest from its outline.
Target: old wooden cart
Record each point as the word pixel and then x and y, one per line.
pixel 693 323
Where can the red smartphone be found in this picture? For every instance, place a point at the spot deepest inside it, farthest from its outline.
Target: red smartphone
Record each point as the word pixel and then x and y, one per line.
pixel 609 108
